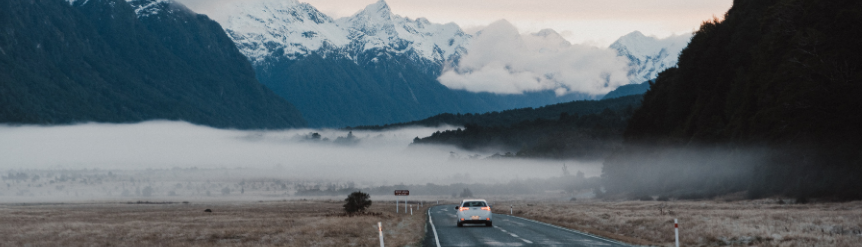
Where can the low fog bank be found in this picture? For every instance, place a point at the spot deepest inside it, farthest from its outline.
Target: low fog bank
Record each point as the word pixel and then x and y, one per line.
pixel 685 172
pixel 700 171
pixel 105 161
pixel 230 185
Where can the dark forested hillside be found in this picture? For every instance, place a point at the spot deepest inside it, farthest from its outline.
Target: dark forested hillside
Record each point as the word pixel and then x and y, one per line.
pixel 765 101
pixel 99 61
pixel 579 129
pixel 631 89
pixel 514 116
pixel 591 136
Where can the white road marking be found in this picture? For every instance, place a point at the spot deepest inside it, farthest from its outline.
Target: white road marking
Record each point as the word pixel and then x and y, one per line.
pixel 527 241
pixel 573 231
pixel 433 228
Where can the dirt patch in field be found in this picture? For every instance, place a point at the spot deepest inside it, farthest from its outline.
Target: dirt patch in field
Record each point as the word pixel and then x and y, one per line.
pixel 281 223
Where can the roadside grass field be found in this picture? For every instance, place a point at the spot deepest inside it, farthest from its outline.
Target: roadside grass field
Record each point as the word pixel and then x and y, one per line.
pixel 767 222
pixel 279 223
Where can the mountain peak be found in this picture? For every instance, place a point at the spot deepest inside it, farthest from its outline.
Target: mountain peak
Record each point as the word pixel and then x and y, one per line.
pixel 547 32
pixel 650 55
pixel 380 8
pixel 500 27
pixel 635 34
pixel 277 29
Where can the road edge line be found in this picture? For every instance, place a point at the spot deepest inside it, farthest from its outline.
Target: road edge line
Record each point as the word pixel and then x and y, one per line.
pixel 433 228
pixel 574 231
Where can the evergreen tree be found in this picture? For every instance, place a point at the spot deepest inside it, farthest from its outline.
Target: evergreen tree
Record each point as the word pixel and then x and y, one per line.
pixel 357 202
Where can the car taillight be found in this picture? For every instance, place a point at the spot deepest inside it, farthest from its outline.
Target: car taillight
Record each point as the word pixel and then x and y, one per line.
pixel 463 209
pixel 486 208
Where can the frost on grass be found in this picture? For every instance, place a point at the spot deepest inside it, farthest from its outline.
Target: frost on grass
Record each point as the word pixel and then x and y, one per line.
pixel 765 222
pixel 290 223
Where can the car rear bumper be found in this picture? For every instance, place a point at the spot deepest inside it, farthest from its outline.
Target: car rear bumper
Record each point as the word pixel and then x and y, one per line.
pixel 475 221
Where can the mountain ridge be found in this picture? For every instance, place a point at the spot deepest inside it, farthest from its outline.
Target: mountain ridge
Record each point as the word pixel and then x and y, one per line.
pixel 105 61
pixel 397 64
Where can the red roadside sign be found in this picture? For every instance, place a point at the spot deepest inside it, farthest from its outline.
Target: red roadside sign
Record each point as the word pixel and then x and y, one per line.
pixel 402 192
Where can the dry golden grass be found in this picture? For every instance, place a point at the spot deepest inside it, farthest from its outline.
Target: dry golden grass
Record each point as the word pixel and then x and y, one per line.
pixel 705 223
pixel 290 223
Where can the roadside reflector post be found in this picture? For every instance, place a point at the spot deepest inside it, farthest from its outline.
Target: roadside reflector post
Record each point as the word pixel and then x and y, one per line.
pixel 511 207
pixel 411 210
pixel 396 205
pixel 380 229
pixel 676 231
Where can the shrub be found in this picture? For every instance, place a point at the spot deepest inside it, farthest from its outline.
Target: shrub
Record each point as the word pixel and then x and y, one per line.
pixel 357 202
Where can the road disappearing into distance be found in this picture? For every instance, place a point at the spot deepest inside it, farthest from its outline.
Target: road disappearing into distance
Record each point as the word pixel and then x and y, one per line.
pixel 507 231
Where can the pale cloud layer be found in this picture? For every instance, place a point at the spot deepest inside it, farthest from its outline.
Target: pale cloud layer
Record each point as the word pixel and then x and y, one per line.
pixel 595 22
pixel 501 60
pixel 376 156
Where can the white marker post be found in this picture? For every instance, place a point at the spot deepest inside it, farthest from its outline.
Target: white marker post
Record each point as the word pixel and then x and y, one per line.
pixel 380 229
pixel 511 207
pixel 676 231
pixel 411 210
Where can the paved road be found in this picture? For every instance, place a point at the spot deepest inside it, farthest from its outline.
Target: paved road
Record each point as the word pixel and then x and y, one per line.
pixel 507 231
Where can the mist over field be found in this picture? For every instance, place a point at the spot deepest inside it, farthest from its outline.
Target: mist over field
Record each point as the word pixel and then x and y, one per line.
pixel 105 160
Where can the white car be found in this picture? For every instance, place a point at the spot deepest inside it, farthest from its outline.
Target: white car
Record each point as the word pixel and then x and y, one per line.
pixel 473 211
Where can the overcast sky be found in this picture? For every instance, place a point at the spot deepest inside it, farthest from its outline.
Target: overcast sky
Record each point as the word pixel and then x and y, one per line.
pixel 591 22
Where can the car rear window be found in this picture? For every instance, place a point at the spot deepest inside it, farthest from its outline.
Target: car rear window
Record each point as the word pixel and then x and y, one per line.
pixel 474 204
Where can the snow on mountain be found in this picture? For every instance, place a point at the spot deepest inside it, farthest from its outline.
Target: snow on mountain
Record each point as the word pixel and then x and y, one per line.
pixel 649 55
pixel 292 29
pixel 282 28
pixel 376 27
pixel 143 8
pixel 274 29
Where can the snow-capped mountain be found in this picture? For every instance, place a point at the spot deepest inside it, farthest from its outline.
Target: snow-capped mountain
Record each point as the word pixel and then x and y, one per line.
pixel 282 29
pixel 649 55
pixel 290 29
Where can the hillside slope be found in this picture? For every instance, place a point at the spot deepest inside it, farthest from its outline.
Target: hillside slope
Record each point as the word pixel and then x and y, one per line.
pixel 118 61
pixel 572 130
pixel 765 101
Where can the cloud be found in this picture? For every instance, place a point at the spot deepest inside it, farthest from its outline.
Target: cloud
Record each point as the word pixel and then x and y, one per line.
pixel 377 157
pixel 503 61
